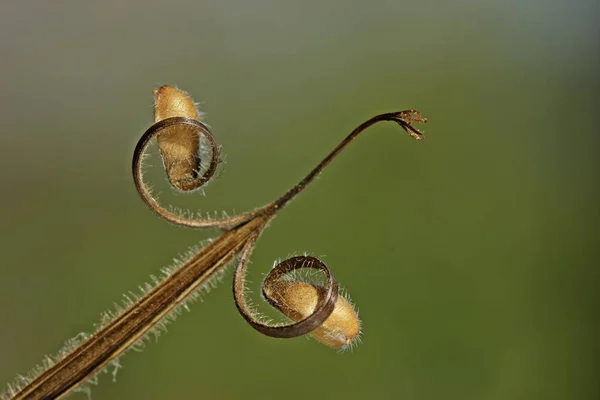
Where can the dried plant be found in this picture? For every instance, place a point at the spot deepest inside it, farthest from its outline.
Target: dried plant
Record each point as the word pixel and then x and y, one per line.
pixel 190 157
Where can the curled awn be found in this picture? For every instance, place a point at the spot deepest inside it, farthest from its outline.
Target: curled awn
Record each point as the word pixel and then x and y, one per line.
pixel 190 157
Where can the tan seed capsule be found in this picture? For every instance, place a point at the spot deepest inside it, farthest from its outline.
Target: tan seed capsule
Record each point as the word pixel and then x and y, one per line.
pixel 178 144
pixel 172 102
pixel 297 300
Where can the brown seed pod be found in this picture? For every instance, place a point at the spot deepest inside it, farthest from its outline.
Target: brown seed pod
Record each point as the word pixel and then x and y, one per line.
pixel 297 300
pixel 179 144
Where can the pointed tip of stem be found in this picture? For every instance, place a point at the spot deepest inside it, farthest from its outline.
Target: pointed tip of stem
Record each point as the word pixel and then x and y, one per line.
pixel 406 119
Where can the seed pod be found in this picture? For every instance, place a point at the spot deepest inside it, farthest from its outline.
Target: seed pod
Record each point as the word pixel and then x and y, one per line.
pixel 297 300
pixel 178 144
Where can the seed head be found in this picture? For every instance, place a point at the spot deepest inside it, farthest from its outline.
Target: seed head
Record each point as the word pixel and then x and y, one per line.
pixel 179 144
pixel 298 300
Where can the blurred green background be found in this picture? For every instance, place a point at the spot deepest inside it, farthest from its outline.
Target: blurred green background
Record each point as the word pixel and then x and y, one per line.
pixel 473 255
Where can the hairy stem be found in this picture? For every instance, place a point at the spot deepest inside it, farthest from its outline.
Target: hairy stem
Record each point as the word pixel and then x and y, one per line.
pixel 112 340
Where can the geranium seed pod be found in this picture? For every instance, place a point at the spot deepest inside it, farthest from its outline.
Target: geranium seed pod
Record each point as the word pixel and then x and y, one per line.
pixel 297 300
pixel 178 144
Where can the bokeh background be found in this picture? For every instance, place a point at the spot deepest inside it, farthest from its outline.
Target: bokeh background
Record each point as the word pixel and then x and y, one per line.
pixel 473 255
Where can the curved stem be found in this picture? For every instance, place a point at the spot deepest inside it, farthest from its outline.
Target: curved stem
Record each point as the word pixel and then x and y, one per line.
pixel 402 118
pixel 117 336
pixel 323 308
pixel 153 204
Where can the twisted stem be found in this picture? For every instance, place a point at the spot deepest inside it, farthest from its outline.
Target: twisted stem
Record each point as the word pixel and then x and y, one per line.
pixel 403 118
pixel 243 230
